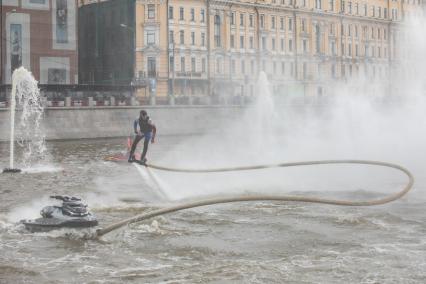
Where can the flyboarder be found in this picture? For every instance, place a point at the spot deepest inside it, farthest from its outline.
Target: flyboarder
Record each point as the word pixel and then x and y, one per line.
pixel 147 130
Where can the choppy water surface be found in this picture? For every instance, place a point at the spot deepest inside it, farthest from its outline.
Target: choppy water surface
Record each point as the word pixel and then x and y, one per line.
pixel 247 243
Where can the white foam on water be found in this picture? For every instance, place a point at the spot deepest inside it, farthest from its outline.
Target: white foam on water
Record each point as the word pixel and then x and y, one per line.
pixel 49 168
pixel 30 210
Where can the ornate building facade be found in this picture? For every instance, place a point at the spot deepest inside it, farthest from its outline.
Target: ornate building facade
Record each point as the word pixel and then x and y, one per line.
pixel 190 49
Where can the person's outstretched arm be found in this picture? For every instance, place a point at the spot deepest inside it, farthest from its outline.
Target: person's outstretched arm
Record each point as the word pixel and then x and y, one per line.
pixel 154 131
pixel 135 126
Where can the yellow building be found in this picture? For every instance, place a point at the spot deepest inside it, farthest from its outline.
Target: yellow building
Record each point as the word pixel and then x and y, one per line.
pixel 194 50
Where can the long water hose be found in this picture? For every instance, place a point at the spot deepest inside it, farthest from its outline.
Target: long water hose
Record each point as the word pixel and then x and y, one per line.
pixel 263 197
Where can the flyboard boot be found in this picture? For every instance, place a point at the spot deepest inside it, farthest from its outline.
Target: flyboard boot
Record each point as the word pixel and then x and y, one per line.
pixel 142 162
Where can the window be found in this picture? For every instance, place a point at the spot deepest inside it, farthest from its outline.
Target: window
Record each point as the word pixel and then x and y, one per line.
pixel 290 45
pixel 290 24
pixel 192 14
pixel 203 39
pixel 251 21
pixel 151 11
pixel 152 70
pixel 305 46
pixel 182 37
pixel 317 38
pixel 171 37
pixel 182 64
pixel 333 48
pixel 241 42
pixel 243 66
pixel 251 43
pixel 232 41
pixel 233 66
pixel 331 5
pixel 172 63
pixel 282 44
pixel 232 18
pixel 283 68
pixel 193 65
pixel 241 20
pixel 170 12
pixel 305 70
pixel 273 22
pixel 203 65
pixel 273 44
pixel 217 31
pixel 203 16
pixel 193 38
pixel 318 4
pixel 150 37
pixel 262 21
pixel 282 23
pixel 263 43
pixel 181 14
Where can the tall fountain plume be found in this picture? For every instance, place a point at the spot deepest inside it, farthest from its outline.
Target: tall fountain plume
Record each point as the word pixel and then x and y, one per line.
pixel 30 135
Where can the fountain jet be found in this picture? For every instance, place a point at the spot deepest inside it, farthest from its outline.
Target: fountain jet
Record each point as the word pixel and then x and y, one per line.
pixel 25 90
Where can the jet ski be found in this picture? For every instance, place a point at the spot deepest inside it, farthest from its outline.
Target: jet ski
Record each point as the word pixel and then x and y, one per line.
pixel 72 214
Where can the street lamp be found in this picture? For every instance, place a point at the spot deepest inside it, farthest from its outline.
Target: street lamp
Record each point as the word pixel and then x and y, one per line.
pixel 172 94
pixel 172 46
pixel 134 46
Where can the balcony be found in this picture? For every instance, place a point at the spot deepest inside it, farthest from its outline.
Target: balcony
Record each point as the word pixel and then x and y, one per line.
pixel 189 74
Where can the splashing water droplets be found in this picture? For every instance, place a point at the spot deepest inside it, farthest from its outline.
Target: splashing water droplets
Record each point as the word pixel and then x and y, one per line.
pixel 30 135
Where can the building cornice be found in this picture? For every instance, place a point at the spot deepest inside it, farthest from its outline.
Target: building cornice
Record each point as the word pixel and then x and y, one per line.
pixel 298 10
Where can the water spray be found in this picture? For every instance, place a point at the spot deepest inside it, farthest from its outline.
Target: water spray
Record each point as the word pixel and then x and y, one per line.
pixel 25 90
pixel 11 168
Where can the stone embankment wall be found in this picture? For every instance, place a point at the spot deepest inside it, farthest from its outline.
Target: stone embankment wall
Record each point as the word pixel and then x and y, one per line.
pixel 100 122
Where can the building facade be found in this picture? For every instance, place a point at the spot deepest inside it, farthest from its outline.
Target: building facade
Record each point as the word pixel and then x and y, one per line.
pixel 40 35
pixel 192 49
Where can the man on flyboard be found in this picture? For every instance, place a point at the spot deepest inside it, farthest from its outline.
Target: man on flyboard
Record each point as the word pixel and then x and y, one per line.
pixel 147 131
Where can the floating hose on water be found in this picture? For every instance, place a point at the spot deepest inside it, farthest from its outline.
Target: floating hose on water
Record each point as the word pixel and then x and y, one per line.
pixel 263 197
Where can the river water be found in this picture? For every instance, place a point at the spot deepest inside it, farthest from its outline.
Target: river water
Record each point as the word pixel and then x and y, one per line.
pixel 260 242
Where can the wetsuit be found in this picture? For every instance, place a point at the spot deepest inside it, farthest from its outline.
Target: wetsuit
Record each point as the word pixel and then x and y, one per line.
pixel 147 128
